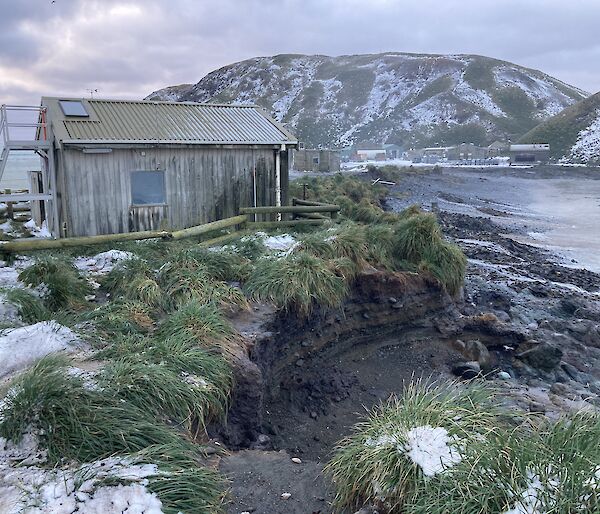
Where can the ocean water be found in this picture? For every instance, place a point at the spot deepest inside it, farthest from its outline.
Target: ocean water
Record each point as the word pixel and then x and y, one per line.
pixel 17 166
pixel 571 209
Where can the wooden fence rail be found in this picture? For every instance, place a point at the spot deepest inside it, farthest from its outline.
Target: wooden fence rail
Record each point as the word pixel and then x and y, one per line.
pixel 309 216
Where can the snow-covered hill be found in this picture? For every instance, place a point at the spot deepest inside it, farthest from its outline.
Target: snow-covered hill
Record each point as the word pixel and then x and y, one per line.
pixel 410 99
pixel 573 134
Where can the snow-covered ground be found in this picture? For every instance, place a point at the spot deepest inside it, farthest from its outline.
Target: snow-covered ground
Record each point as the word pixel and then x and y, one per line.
pixel 587 147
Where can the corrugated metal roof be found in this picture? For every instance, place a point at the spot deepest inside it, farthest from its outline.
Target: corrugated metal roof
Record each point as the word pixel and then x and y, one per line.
pixel 120 121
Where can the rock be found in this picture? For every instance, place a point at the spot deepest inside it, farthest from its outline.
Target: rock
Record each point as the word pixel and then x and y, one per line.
pixel 300 363
pixel 503 375
pixel 296 460
pixel 543 356
pixel 391 299
pixel 475 350
pixel 467 370
pixel 263 439
pixel 537 407
pixel 570 370
pixel 286 496
pixel 313 414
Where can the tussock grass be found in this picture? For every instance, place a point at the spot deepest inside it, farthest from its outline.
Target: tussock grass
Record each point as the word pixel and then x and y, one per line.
pixel 297 282
pixel 66 287
pixel 183 485
pixel 419 242
pixel 416 235
pixel 135 280
pixel 373 465
pixel 183 284
pixel 30 307
pixel 222 265
pixel 122 317
pixel 198 324
pixel 163 390
pixel 447 263
pixel 75 422
pixel 539 467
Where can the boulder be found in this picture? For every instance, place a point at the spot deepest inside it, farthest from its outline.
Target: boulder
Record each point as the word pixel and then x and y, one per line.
pixel 475 350
pixel 467 370
pixel 542 356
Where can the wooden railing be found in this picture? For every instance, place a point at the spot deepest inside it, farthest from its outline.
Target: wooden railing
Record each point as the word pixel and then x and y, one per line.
pixel 302 215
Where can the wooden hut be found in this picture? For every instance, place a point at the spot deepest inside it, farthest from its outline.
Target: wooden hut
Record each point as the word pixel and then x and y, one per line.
pixel 121 166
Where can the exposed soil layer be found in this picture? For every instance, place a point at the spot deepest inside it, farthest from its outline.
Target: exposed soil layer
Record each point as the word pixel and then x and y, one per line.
pixel 305 382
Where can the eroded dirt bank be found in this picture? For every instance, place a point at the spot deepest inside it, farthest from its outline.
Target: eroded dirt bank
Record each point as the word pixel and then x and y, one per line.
pixel 527 321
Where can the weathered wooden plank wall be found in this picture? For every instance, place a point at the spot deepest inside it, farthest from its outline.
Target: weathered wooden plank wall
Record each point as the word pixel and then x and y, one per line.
pixel 203 184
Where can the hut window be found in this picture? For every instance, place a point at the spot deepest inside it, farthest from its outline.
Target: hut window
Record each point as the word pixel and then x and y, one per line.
pixel 148 187
pixel 73 108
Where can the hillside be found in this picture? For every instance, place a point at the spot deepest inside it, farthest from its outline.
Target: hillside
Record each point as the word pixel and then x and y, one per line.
pixel 573 134
pixel 409 99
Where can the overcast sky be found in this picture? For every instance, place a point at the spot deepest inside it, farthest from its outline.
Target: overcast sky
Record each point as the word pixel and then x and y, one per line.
pixel 128 48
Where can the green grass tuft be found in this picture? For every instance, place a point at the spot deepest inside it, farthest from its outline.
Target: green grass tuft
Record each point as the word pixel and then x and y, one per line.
pixel 66 287
pixel 297 282
pixel 30 307
pixel 198 324
pixel 373 466
pixel 134 279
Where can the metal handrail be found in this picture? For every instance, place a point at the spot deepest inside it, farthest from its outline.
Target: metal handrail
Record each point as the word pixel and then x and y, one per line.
pixel 41 125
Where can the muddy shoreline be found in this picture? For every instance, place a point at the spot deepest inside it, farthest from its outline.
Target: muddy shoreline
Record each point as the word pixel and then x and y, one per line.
pixel 531 323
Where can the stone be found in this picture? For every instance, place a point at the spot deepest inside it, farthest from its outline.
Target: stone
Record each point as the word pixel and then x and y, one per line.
pixel 286 496
pixel 503 375
pixel 543 356
pixel 475 350
pixel 391 299
pixel 296 460
pixel 467 370
pixel 300 363
pixel 313 414
pixel 537 407
pixel 570 370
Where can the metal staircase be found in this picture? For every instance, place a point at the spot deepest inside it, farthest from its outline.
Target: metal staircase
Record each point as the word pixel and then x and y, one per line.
pixel 25 128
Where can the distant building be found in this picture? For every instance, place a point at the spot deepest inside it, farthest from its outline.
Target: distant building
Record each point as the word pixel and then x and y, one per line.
pixel 466 151
pixel 369 152
pixel 529 154
pixel 393 151
pixel 316 160
pixel 498 149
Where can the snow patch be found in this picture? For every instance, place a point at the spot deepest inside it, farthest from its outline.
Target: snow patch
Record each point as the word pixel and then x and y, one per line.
pixel 431 449
pixel 587 147
pixel 21 347
pixel 530 500
pixel 41 232
pixel 102 263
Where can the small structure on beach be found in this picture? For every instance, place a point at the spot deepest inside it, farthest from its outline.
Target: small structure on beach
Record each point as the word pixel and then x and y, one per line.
pixel 114 166
pixel 312 159
pixel 529 154
pixel 369 151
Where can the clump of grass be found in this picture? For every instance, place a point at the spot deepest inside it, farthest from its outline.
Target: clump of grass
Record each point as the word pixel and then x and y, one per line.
pixel 30 307
pixel 375 464
pixel 199 324
pixel 165 391
pixel 66 287
pixel 183 283
pixel 122 317
pixel 447 263
pixel 182 485
pixel 539 467
pixel 416 235
pixel 134 279
pixel 75 422
pixel 297 282
pixel 222 265
pixel 419 242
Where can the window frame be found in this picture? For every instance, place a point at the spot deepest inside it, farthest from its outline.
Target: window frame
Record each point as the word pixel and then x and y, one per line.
pixel 164 188
pixel 62 103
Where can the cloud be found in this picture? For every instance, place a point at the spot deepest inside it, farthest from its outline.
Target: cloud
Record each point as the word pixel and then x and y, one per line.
pixel 127 48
